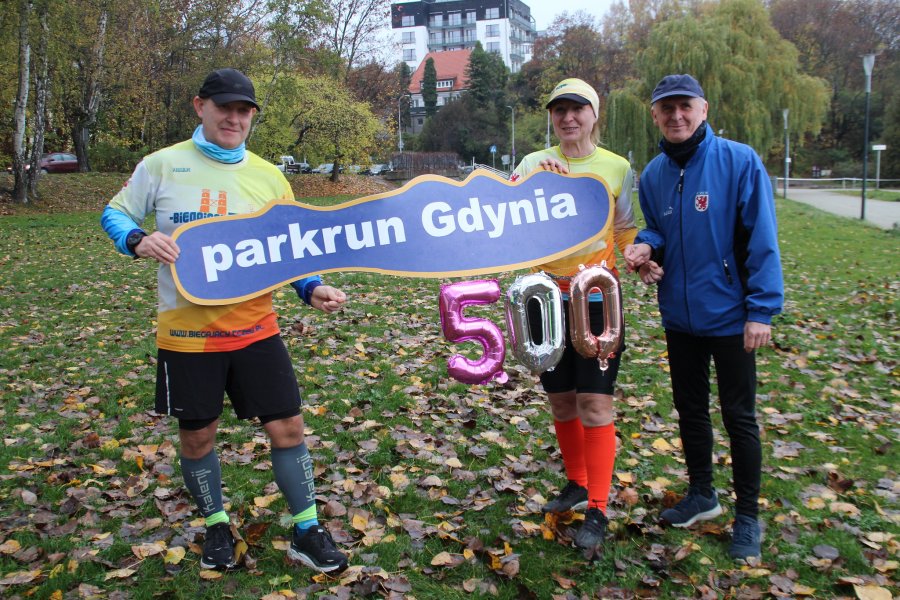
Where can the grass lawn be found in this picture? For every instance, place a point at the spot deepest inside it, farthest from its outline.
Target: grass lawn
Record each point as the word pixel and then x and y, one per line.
pixel 435 487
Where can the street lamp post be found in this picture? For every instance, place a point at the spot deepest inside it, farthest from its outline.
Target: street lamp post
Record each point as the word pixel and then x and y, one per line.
pixel 868 64
pixel 512 162
pixel 787 151
pixel 400 123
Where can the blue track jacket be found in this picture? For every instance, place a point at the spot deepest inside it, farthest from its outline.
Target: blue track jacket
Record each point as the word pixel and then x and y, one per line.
pixel 712 226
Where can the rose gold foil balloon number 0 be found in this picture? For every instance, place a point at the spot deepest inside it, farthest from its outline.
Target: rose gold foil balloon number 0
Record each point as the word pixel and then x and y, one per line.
pixel 587 344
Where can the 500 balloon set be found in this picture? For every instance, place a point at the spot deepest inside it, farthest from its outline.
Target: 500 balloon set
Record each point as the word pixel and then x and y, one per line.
pixel 542 290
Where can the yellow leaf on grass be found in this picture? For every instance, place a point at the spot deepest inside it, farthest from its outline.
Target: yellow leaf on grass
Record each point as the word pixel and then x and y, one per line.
pixel 872 592
pixel 146 550
pixel 844 507
pixel 359 522
pixel 265 501
pixel 10 547
pixel 100 470
pixel 815 503
pixel 399 480
pixel 174 555
pixel 454 463
pixel 210 575
pixel 20 577
pixel 803 590
pixel 442 559
pixel 119 574
pixel 662 445
pixel 625 478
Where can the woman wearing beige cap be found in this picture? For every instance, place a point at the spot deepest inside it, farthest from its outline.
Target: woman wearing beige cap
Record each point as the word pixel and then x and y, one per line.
pixel 580 393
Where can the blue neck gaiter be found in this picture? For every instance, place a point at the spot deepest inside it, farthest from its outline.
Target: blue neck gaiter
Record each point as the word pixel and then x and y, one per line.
pixel 215 152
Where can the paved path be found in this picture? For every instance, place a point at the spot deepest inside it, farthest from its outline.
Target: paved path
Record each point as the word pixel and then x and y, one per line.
pixel 878 212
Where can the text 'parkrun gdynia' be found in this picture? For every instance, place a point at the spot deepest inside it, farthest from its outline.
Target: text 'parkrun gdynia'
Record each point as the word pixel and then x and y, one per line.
pixel 438 219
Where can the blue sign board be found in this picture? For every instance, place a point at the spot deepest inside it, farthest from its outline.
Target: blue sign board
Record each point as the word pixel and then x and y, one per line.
pixel 431 227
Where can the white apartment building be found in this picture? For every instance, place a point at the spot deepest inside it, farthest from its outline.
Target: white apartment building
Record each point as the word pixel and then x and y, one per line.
pixel 426 26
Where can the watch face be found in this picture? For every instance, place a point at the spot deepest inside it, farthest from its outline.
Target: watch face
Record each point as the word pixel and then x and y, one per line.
pixel 134 239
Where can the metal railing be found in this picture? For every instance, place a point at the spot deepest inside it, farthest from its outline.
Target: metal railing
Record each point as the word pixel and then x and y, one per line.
pixel 837 183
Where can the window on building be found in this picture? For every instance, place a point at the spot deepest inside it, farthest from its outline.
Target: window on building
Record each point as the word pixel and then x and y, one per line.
pixel 454 37
pixel 454 18
pixel 444 84
pixel 471 35
pixel 436 20
pixel 409 37
pixel 470 17
pixel 409 55
pixel 407 21
pixel 493 47
pixel 492 31
pixel 492 13
pixel 435 37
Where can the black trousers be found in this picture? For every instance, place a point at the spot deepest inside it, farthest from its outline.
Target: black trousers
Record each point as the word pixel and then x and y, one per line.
pixel 689 358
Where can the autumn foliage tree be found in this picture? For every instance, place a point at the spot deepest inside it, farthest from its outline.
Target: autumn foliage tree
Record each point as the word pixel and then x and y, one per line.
pixel 748 73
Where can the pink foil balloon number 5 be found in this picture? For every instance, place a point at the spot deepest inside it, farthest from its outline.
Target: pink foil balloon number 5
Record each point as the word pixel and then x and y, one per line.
pixel 454 298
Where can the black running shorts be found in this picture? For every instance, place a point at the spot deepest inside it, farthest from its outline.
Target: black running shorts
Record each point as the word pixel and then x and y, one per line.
pixel 258 379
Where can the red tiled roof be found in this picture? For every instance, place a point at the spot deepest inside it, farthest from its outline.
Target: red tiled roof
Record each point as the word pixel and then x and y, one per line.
pixel 450 64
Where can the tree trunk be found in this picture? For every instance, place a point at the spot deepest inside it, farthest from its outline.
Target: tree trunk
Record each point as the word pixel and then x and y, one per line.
pixel 81 130
pixel 20 187
pixel 41 91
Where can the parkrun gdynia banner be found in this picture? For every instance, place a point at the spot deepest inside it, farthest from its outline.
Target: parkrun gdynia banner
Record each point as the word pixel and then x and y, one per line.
pixel 431 227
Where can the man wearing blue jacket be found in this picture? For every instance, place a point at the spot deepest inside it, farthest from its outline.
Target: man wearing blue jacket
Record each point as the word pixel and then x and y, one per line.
pixel 711 246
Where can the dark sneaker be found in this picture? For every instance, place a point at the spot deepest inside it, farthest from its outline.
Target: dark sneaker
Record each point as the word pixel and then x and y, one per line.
pixel 315 548
pixel 745 538
pixel 593 530
pixel 218 548
pixel 572 497
pixel 692 508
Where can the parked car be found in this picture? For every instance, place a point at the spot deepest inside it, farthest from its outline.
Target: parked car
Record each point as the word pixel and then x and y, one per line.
pixel 56 162
pixel 377 169
pixel 327 168
pixel 59 162
pixel 289 165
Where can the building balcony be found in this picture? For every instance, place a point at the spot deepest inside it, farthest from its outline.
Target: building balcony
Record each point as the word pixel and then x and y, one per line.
pixel 462 25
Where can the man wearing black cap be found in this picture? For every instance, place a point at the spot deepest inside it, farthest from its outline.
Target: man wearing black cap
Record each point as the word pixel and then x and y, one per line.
pixel 711 246
pixel 208 351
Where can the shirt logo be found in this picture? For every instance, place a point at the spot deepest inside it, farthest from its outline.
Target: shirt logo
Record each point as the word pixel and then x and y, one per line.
pixel 181 169
pixel 209 207
pixel 701 201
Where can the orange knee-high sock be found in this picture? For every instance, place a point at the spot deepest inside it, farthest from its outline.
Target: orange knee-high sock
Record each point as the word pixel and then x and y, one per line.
pixel 570 435
pixel 599 459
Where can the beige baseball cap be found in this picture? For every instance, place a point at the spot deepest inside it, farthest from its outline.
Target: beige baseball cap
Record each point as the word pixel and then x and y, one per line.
pixel 575 90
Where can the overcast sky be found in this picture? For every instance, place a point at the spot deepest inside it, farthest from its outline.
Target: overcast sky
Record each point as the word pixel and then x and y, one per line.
pixel 544 11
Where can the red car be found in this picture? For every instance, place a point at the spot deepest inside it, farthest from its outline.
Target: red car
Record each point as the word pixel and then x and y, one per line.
pixel 59 162
pixel 56 162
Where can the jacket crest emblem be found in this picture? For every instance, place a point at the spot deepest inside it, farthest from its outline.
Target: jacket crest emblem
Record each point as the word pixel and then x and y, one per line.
pixel 701 202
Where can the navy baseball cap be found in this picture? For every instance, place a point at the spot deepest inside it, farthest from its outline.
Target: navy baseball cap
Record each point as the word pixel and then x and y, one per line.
pixel 228 85
pixel 677 85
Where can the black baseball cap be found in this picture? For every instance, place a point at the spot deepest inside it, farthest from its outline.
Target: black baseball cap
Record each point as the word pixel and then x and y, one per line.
pixel 228 85
pixel 676 85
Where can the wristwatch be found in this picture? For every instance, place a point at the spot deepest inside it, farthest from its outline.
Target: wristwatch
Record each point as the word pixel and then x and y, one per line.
pixel 134 238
